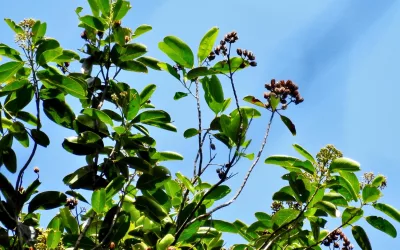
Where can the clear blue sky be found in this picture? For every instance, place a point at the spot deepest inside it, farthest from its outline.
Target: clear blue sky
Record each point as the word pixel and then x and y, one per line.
pixel 343 54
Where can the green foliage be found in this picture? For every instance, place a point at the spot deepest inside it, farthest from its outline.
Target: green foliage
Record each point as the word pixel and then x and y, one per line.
pixel 131 200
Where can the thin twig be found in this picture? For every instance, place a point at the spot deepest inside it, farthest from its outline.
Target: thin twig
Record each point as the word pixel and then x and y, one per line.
pixel 245 178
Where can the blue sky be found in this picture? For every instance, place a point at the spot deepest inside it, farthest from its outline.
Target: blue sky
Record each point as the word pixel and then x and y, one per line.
pixel 343 54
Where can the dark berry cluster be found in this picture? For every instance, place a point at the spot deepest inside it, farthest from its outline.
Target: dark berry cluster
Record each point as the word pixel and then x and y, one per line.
pixel 287 92
pixel 71 203
pixel 334 239
pixel 247 55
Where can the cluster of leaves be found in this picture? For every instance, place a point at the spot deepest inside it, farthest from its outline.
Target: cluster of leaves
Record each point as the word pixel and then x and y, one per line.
pixel 134 201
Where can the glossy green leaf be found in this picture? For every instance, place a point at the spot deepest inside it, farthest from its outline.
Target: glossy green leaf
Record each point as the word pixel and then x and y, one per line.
pixel 281 160
pixel 344 164
pixel 198 72
pixel 146 93
pixel 179 95
pixel 218 193
pixel 55 223
pixel 31 190
pixel 152 115
pixel 27 117
pixel 68 221
pixel 48 50
pixel 351 215
pixel 9 159
pixel 151 208
pixel 336 199
pixel 177 50
pixel 207 43
pixel 339 183
pixel 99 200
pixel 16 28
pixel 59 112
pixel 186 182
pixel 53 238
pixel 274 101
pixel 370 194
pixel 15 85
pixel 8 70
pixel 9 52
pixel 47 200
pixel 169 69
pixel 328 207
pixel 67 56
pixel 254 101
pixel 289 124
pixel 99 115
pixel 304 152
pixel 284 194
pixel 388 210
pixel 132 51
pixel 236 64
pixel 190 132
pixel 284 216
pixel 104 6
pixel 69 84
pixel 150 62
pixel 158 174
pixel 165 242
pixel 361 237
pixel 352 179
pixel 213 93
pixel 94 6
pixel 85 144
pixel 77 195
pixel 120 9
pixel 19 99
pixel 167 156
pixel 38 30
pixel 382 225
pixel 40 137
pixel 144 28
pixel 304 165
pixel 137 163
pixel 301 187
pixel 378 180
pixel 93 22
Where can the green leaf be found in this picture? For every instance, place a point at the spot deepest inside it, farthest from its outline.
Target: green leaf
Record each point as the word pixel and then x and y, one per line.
pixel 328 207
pixel 16 28
pixel 215 89
pixel 114 187
pixel 223 226
pixel 207 43
pixel 190 132
pixel 10 159
pixel 69 221
pixel 370 194
pixel 265 218
pixel 150 208
pixel 169 69
pixel 85 144
pixel 301 187
pixel 304 165
pixel 378 180
pixel 47 200
pixel 95 113
pixel 336 199
pixel 382 225
pixel 104 6
pixel 218 193
pixel 352 179
pixel 59 112
pixel 40 137
pixel 236 65
pixel 38 30
pixel 120 9
pixel 150 62
pixel 19 99
pixel 158 174
pixel 213 93
pixel 53 238
pixel 94 6
pixel 99 200
pixel 66 56
pixel 146 93
pixel 15 85
pixel 31 190
pixel 284 216
pixel 254 101
pixel 388 210
pixel 152 115
pixel 284 194
pixel 144 28
pixel 48 50
pixel 8 70
pixel 66 83
pixel 289 124
pixel 339 183
pixel 27 117
pixel 281 160
pixel 186 182
pixel 177 50
pixel 77 195
pixel 167 156
pixel 274 101
pixel 132 51
pixel 344 164
pixel 137 163
pixel 55 223
pixel 361 237
pixel 9 52
pixel 198 72
pixel 304 152
pixel 351 215
pixel 93 22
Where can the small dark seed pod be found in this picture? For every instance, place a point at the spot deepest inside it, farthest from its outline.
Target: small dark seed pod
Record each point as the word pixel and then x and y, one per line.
pixel 266 95
pixel 84 35
pixel 222 42
pixel 239 51
pixel 253 63
pixel 268 86
pixel 212 146
pixel 242 65
pixel 245 52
